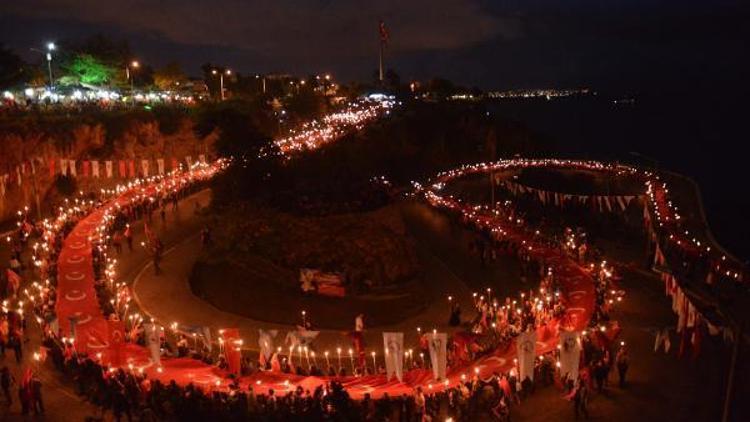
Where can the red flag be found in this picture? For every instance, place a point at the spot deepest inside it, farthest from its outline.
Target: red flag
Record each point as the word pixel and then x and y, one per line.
pixel 121 167
pixel 51 167
pixel 14 281
pixel 174 164
pixel 232 349
pixel 383 32
pixel 26 379
pixel 86 168
pixel 131 166
pixel 116 341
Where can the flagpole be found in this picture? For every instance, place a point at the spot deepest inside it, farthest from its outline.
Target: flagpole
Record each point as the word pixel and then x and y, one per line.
pixel 381 61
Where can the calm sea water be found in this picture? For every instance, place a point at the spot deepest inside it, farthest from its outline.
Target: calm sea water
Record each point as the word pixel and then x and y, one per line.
pixel 701 136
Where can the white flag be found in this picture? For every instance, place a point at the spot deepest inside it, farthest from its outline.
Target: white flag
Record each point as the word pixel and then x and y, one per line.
pixel 152 342
pixel 526 348
pixel 108 166
pixel 206 332
pixel 438 344
pixel 265 342
pixel 189 161
pixel 95 168
pixel 144 166
pixel 72 167
pixel 202 158
pixel 570 353
pixel 160 165
pixel 394 355
pixel 63 166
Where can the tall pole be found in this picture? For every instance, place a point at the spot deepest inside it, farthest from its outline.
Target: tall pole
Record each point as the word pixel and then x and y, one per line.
pixel 221 85
pixel 381 62
pixel 730 382
pixel 49 68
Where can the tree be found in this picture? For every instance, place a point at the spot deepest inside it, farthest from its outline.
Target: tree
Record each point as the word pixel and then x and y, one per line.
pixel 87 69
pixel 11 68
pixel 170 76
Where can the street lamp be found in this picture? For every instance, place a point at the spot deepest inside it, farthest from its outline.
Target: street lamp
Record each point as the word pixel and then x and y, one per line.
pixel 221 79
pixel 50 48
pixel 134 65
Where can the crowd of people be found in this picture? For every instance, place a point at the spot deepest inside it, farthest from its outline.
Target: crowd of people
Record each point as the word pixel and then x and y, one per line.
pixel 131 394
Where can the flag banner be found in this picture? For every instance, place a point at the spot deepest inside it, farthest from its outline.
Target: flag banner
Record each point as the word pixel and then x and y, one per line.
pixel 175 165
pixel 33 165
pixel 123 169
pixel 152 342
pixel 116 341
pixel 131 168
pixel 108 168
pixel 526 349
pixel 63 167
pixel 52 167
pixel 394 355
pixel 160 165
pixel 3 182
pixel 72 168
pixel 202 158
pixel 189 161
pixel 232 349
pixel 95 168
pixel 438 345
pixel 206 333
pixel 86 165
pixel 265 343
pixel 144 167
pixel 570 354
pixel 18 175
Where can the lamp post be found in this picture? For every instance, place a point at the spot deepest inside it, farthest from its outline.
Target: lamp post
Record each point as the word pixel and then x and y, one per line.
pixel 134 65
pixel 50 48
pixel 221 79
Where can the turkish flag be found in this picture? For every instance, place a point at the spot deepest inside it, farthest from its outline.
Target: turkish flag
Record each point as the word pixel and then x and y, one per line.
pixel 121 167
pixel 116 341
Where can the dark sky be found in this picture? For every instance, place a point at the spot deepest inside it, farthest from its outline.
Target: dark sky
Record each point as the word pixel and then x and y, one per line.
pixel 620 45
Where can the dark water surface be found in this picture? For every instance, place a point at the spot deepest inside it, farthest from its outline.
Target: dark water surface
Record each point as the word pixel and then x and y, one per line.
pixel 704 137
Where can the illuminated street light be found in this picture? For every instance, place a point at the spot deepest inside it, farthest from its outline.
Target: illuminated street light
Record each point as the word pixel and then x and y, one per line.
pixel 50 48
pixel 132 65
pixel 221 79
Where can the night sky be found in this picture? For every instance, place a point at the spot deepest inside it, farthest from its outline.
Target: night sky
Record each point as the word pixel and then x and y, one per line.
pixel 620 45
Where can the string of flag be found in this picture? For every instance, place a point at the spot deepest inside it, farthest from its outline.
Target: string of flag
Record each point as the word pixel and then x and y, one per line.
pixel 598 202
pixel 123 168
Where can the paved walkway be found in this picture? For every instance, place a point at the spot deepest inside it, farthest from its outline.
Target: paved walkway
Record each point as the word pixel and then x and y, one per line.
pixel 168 297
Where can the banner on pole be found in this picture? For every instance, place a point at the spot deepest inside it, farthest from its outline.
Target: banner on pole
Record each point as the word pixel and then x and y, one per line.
pixel 393 344
pixel 570 354
pixel 438 345
pixel 526 349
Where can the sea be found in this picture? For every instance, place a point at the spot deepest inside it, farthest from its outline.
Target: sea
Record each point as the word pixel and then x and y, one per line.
pixel 701 135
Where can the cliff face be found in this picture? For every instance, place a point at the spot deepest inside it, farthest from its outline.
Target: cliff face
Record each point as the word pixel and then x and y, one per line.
pixel 29 147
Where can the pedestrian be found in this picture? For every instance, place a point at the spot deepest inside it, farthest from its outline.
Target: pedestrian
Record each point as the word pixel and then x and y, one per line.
pixel 129 237
pixel 623 362
pixel 116 242
pixel 14 342
pixel 205 237
pixel 6 381
pixel 420 405
pixel 580 400
pixel 36 395
pixel 158 250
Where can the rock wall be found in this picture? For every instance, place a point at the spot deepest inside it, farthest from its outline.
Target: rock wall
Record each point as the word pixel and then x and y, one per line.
pixel 26 148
